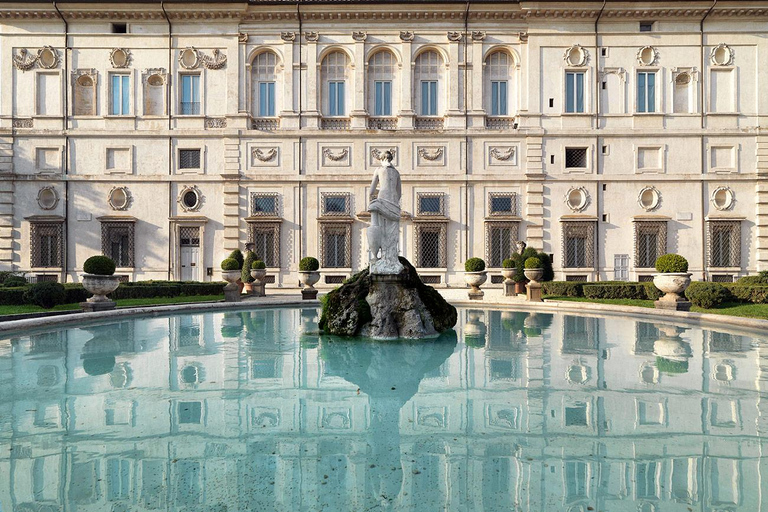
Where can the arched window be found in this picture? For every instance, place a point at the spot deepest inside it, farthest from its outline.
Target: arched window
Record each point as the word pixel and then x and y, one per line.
pixel 263 85
pixel 428 78
pixel 334 71
pixel 499 85
pixel 381 84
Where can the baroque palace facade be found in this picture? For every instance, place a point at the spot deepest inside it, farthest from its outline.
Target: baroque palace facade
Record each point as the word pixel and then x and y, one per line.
pixel 167 134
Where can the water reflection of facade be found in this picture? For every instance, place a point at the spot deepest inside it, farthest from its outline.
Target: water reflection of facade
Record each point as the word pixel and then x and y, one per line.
pixel 568 411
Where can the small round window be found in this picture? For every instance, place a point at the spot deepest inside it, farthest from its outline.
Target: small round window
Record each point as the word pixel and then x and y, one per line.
pixel 189 58
pixel 119 198
pixel 577 199
pixel 191 375
pixel 578 374
pixel 721 55
pixel 190 199
pixel 119 58
pixel 48 58
pixel 646 56
pixel 722 198
pixel 576 56
pixel 47 198
pixel 649 198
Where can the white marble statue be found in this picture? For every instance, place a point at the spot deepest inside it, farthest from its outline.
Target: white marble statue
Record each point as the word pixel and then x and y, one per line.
pixel 384 232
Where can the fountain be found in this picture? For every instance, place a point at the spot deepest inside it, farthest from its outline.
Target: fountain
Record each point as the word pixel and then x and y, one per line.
pixel 387 300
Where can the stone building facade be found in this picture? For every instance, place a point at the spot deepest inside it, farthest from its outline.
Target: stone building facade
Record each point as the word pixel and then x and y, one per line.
pixel 166 135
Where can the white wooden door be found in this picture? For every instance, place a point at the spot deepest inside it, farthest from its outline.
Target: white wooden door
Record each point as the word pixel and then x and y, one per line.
pixel 190 263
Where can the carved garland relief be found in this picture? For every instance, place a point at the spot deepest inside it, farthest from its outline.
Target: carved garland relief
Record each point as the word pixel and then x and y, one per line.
pixel 192 58
pixel 46 57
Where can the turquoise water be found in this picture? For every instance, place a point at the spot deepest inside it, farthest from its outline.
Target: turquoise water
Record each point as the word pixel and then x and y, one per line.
pixel 255 411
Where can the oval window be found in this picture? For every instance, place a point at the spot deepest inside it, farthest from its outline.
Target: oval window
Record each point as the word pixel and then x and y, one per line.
pixel 647 55
pixel 190 375
pixel 722 198
pixel 722 55
pixel 189 58
pixel 119 58
pixel 578 374
pixel 649 198
pixel 85 81
pixel 576 56
pixel 118 199
pixel 155 80
pixel 190 199
pixel 47 198
pixel 47 58
pixel 577 199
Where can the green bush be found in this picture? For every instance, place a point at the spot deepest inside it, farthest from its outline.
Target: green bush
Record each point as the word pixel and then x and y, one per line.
pixel 474 341
pixel 651 291
pixel 610 290
pixel 13 281
pixel 669 366
pixel 756 294
pixel 474 265
pixel 258 265
pixel 533 263
pixel 707 295
pixel 309 264
pixel 508 263
pixel 760 278
pixel 13 296
pixel 546 264
pixel 46 294
pixel 75 293
pixel 230 264
pixel 245 276
pixel 563 288
pixel 99 265
pixel 237 255
pixel 671 263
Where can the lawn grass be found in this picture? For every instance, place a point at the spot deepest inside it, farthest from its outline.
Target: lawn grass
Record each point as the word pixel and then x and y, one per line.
pixel 727 308
pixel 157 301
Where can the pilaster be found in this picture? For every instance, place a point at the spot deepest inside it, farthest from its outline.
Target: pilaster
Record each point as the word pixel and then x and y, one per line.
pixel 312 114
pixel 454 117
pixel 761 200
pixel 534 193
pixel 231 178
pixel 358 114
pixel 475 85
pixel 406 114
pixel 289 117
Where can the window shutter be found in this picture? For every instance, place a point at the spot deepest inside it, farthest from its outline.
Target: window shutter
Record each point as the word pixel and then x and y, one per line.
pixel 641 92
pixel 651 102
pixel 387 99
pixel 502 98
pixel 579 92
pixel 433 98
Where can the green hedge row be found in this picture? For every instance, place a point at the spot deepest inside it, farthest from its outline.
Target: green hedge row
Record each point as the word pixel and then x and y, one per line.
pixel 14 296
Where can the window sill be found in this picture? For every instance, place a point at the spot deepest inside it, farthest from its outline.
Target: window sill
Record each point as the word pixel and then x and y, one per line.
pixel 577 114
pixel 117 116
pixel 649 114
pixel 723 269
pixel 190 116
pixel 723 113
pixel 189 171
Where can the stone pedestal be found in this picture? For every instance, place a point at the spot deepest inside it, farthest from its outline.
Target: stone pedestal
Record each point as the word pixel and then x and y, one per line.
pixel 92 307
pixel 673 305
pixel 533 291
pixel 509 288
pixel 476 295
pixel 259 289
pixel 232 295
pixel 308 294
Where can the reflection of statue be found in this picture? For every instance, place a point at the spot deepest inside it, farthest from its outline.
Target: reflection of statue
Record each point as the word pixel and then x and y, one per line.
pixel 384 232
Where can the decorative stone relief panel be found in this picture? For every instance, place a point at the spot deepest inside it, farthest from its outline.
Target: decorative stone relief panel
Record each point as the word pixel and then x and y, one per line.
pixel 501 154
pixel 192 58
pixel 577 199
pixel 576 55
pixel 503 416
pixel 478 35
pixel 215 122
pixel 46 57
pixel 335 156
pixel 312 37
pixel 376 151
pixel 430 156
pixel 407 36
pixel 265 156
pixel 120 58
pixel 721 55
pixel 119 198
pixel 723 198
pixel 649 199
pixel 47 198
pixel 647 56
pixel 455 36
pixel 288 36
pixel 360 36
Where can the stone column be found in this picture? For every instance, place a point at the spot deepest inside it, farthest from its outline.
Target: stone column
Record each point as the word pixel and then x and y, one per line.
pixel 534 193
pixel 289 118
pixel 761 198
pixel 406 114
pixel 312 86
pixel 476 84
pixel 454 118
pixel 358 113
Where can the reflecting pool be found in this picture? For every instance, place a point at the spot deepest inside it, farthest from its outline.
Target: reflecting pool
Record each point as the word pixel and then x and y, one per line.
pixel 254 411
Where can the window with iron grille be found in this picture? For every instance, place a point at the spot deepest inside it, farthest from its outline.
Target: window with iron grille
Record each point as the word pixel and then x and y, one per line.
pixel 46 244
pixel 500 239
pixel 650 242
pixel 724 243
pixel 575 158
pixel 117 242
pixel 430 244
pixel 430 204
pixel 265 238
pixel 500 203
pixel 579 244
pixel 722 278
pixel 189 236
pixel 579 335
pixel 189 159
pixel 335 245
pixel 335 204
pixel 264 204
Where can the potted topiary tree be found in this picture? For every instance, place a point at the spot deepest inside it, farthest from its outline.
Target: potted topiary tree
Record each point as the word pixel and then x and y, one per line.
pixel 475 275
pixel 309 275
pixel 231 272
pixel 237 255
pixel 508 269
pixel 245 273
pixel 99 279
pixel 672 279
pixel 259 272
pixel 533 272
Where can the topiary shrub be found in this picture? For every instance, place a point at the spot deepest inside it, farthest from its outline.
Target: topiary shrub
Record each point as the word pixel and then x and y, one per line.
pixel 474 341
pixel 508 263
pixel 707 295
pixel 230 264
pixel 533 263
pixel 258 265
pixel 670 366
pixel 671 263
pixel 245 276
pixel 309 264
pixel 99 265
pixel 12 281
pixel 756 294
pixel 546 264
pixel 760 278
pixel 474 265
pixel 46 294
pixel 238 257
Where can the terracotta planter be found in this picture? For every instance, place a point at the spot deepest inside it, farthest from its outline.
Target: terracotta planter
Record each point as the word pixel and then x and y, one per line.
pixel 240 284
pixel 520 287
pixel 247 287
pixel 100 286
pixel 673 284
pixel 534 274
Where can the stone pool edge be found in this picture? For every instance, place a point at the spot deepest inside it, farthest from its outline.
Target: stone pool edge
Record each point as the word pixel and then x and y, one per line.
pixel 751 324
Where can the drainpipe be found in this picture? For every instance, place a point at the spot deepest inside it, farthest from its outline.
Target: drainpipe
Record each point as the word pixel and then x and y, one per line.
pixel 703 149
pixel 466 138
pixel 597 145
pixel 301 190
pixel 170 142
pixel 65 126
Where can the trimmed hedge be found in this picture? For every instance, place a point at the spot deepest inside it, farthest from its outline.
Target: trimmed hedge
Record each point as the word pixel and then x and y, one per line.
pixel 309 264
pixel 707 295
pixel 602 290
pixel 474 265
pixel 45 294
pixel 756 294
pixel 563 288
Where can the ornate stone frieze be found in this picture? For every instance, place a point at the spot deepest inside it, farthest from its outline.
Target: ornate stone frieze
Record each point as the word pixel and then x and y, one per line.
pixel 336 157
pixel 46 57
pixel 192 58
pixel 158 73
pixel 23 123
pixel 242 37
pixel 377 154
pixel 478 35
pixel 502 154
pixel 312 37
pixel 215 122
pixel 455 36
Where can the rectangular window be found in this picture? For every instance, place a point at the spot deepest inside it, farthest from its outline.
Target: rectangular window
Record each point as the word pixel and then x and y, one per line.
pixel 383 97
pixel 646 480
pixel 335 245
pixel 499 98
pixel 621 267
pixel 724 243
pixel 190 95
pixel 117 242
pixel 646 26
pixel 500 239
pixel 263 204
pixel 190 412
pixel 336 98
pixel 428 98
pixel 267 99
pixel 646 91
pixel 337 204
pixel 575 158
pixel 651 242
pixel 574 92
pixel 578 244
pixel 502 204
pixel 430 244
pixel 120 101
pixel 430 204
pixel 265 237
pixel 46 244
pixel 119 481
pixel 189 159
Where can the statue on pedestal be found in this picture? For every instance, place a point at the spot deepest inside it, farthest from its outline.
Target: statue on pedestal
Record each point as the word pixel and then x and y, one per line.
pixel 384 232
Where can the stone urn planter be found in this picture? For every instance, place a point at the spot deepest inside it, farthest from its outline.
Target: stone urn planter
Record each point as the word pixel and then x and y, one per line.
pixel 100 286
pixel 509 284
pixel 533 274
pixel 232 289
pixel 673 284
pixel 475 280
pixel 474 330
pixel 308 278
pixel 533 288
pixel 259 275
